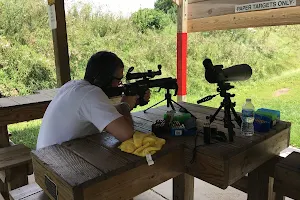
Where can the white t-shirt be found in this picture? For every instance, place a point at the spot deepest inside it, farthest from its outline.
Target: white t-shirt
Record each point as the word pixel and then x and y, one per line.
pixel 78 109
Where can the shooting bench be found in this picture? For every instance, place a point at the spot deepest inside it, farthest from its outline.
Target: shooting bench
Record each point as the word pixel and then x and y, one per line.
pixel 15 160
pixel 95 168
pixel 287 177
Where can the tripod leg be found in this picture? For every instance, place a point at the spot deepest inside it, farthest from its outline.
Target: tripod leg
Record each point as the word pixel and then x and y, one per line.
pixel 216 113
pixel 228 122
pixel 154 105
pixel 237 118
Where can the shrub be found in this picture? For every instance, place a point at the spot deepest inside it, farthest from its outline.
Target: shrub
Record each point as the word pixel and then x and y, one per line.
pixel 150 19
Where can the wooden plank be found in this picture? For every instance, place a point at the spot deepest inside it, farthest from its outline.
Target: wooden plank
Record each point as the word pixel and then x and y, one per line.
pixel 40 174
pixel 60 42
pixel 21 113
pixel 111 143
pixel 141 179
pixel 66 164
pixel 6 102
pixel 250 159
pixel 210 8
pixel 14 156
pixel 22 100
pixel 273 17
pixel 37 196
pixel 183 187
pixel 4 138
pixel 100 157
pixel 207 168
pixel 39 98
pixel 29 192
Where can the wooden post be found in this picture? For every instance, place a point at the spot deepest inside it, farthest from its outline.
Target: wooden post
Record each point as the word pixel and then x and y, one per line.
pixel 182 49
pixel 4 140
pixel 183 187
pixel 59 33
pixel 258 185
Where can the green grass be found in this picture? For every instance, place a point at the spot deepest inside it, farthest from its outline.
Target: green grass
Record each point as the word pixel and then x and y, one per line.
pixel 261 93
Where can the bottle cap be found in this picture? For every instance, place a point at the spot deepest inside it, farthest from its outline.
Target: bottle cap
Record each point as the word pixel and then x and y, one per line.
pixel 248 99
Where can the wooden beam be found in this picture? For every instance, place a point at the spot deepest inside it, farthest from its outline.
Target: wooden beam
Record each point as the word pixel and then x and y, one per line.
pixel 273 17
pixel 21 113
pixel 60 42
pixel 183 187
pixel 258 184
pixel 211 8
pixel 4 139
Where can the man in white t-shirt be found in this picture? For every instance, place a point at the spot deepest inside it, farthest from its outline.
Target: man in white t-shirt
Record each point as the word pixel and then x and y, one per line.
pixel 82 108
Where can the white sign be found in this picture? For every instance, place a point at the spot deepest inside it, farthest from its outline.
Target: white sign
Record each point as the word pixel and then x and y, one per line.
pixel 264 5
pixel 52 17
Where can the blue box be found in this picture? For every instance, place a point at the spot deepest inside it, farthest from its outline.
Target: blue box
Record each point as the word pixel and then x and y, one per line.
pixel 262 123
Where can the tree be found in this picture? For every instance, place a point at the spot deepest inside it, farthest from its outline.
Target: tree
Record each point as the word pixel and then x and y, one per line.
pixel 168 7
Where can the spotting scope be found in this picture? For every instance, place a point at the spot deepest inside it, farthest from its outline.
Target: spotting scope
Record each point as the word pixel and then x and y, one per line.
pixel 216 73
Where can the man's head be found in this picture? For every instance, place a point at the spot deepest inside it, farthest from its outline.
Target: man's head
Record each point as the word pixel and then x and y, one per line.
pixel 104 69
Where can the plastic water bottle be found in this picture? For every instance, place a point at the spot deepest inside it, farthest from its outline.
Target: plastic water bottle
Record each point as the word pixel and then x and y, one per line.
pixel 247 127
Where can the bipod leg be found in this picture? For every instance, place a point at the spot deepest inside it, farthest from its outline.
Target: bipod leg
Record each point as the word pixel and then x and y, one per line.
pixel 154 105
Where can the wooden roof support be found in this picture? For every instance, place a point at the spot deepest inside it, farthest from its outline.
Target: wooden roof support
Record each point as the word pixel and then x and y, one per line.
pixel 272 17
pixel 60 42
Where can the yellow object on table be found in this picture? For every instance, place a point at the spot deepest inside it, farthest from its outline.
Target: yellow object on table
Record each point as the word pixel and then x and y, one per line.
pixel 142 144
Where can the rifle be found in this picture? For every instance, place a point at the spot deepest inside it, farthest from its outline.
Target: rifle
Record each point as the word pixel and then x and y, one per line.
pixel 140 87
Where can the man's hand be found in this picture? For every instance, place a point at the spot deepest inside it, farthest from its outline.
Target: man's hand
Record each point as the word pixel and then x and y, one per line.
pixel 131 100
pixel 146 97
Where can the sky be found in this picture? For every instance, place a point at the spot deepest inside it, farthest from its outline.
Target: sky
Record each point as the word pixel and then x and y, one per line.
pixel 118 7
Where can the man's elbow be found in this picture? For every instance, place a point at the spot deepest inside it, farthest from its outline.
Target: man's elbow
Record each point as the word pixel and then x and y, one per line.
pixel 125 136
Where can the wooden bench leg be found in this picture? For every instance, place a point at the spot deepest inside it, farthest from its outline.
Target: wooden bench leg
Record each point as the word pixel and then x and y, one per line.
pixel 4 190
pixel 183 187
pixel 258 185
pixel 18 177
pixel 4 140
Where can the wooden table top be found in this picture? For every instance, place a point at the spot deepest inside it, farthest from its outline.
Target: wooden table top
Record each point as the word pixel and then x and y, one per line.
pixel 82 161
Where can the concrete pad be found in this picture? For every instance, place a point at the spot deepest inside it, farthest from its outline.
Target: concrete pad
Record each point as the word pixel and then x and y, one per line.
pixel 203 191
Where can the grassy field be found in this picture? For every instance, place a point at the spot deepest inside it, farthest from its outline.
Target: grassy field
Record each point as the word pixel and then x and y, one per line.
pixel 280 93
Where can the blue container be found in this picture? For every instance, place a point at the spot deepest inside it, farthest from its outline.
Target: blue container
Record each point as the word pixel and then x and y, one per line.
pixel 262 123
pixel 273 112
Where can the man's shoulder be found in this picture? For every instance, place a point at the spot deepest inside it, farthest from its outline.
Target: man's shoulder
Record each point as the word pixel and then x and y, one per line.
pixel 79 86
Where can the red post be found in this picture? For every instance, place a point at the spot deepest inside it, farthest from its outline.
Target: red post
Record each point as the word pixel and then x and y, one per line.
pixel 181 63
pixel 182 49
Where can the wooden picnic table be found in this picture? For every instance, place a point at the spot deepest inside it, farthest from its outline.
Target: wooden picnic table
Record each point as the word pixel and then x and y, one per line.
pixel 95 168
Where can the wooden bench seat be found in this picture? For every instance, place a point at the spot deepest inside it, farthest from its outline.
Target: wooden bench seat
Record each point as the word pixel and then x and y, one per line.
pixel 14 156
pixel 28 192
pixel 287 177
pixel 15 166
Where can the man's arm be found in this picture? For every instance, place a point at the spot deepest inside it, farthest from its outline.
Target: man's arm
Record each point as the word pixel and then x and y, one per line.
pixel 124 109
pixel 122 128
